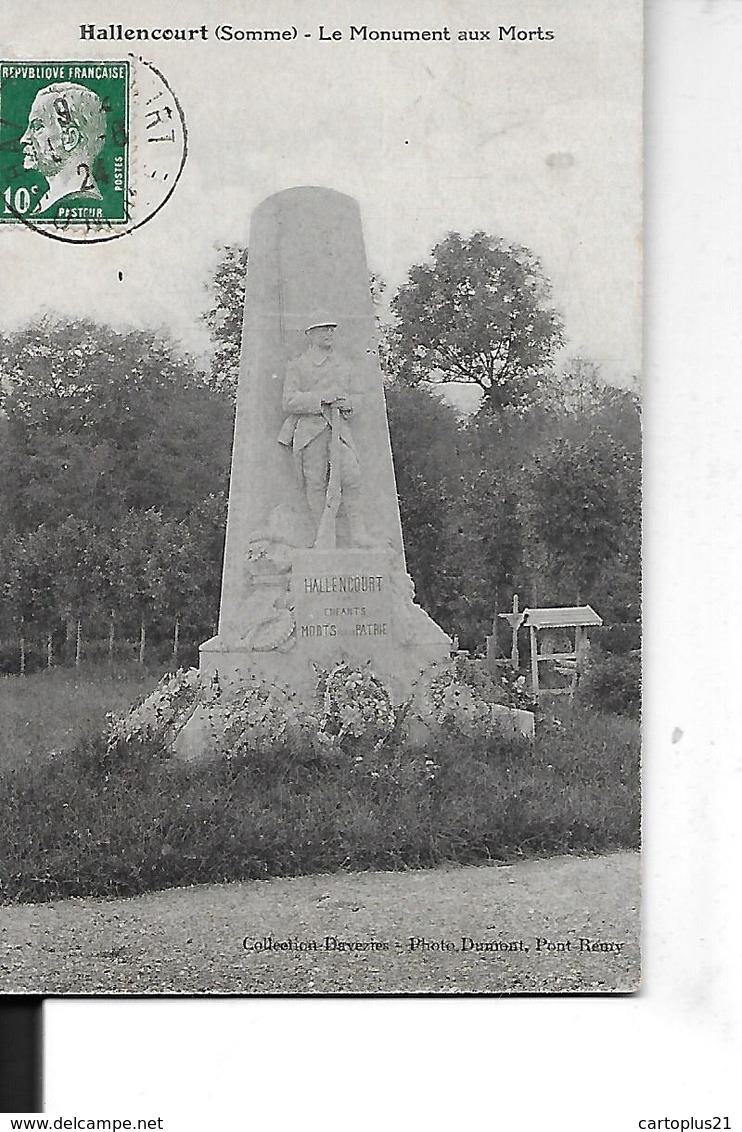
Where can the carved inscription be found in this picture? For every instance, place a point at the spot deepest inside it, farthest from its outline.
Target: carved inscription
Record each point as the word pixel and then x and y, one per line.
pixel 342 605
pixel 344 584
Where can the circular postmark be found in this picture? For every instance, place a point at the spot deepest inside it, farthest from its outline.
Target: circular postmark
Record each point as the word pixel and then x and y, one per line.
pixel 89 150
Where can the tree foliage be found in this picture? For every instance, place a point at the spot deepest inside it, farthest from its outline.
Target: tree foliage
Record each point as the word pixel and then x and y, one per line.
pixel 97 422
pixel 497 507
pixel 146 570
pixel 426 442
pixel 114 459
pixel 577 400
pixel 479 312
pixel 225 314
pixel 581 513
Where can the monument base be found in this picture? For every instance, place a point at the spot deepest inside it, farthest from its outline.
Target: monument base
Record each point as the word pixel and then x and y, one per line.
pixel 330 606
pixel 321 609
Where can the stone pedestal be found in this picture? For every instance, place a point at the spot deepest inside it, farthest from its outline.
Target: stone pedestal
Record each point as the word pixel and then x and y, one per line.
pixel 328 606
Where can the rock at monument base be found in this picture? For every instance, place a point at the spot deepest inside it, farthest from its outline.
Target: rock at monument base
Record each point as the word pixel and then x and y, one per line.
pixel 514 721
pixel 197 739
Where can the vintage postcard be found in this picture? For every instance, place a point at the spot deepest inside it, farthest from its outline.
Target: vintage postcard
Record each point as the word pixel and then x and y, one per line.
pixel 320 532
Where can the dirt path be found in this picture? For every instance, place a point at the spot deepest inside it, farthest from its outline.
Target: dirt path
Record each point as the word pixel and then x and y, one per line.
pixel 217 938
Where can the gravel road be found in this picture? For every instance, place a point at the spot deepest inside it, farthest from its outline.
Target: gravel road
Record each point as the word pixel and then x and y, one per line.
pixel 556 925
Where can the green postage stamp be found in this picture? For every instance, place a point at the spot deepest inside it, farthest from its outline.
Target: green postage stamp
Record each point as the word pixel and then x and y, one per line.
pixel 89 150
pixel 64 142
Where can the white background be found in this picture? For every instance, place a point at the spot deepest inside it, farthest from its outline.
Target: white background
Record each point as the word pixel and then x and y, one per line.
pixel 527 1064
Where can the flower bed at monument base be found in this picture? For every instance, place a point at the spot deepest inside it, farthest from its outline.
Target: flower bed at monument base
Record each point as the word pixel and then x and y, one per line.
pixel 197 718
pixel 118 816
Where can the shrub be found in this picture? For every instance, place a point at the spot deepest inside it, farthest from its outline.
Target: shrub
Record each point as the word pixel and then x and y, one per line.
pixel 619 638
pixel 612 683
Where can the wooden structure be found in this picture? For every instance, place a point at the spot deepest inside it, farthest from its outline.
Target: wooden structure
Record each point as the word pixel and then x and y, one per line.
pixel 495 661
pixel 514 620
pixel 566 663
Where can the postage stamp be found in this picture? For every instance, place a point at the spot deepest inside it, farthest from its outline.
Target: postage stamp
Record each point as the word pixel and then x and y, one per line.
pixel 89 150
pixel 64 141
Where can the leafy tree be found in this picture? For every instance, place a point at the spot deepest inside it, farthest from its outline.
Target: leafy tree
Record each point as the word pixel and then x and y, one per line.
pixel 224 316
pixel 577 400
pixel 207 524
pixel 478 312
pixel 550 509
pixel 545 504
pixel 581 512
pixel 172 573
pixel 97 422
pixel 387 357
pixel 74 550
pixel 458 509
pixel 377 287
pixel 484 555
pixel 133 580
pixel 29 586
pixel 425 439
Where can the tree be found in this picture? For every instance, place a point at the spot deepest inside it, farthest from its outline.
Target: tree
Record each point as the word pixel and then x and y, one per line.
pixel 224 316
pixel 577 400
pixel 74 552
pixel 425 442
pixel 485 547
pixel 114 457
pixel 173 574
pixel 130 580
pixel 38 582
pixel 29 585
pixel 97 422
pixel 387 360
pixel 581 515
pixel 207 524
pixel 478 312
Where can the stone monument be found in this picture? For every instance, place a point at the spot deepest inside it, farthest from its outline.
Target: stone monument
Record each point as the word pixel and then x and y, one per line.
pixel 314 565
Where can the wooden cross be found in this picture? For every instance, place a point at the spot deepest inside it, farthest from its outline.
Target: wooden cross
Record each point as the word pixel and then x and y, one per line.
pixel 514 620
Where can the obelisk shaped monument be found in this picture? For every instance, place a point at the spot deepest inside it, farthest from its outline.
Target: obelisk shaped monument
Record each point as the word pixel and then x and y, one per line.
pixel 314 568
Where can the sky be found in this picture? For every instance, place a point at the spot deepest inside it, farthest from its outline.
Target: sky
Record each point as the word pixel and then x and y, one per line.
pixel 537 142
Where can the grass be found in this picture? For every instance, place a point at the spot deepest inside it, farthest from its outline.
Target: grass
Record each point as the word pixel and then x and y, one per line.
pixel 84 822
pixel 51 710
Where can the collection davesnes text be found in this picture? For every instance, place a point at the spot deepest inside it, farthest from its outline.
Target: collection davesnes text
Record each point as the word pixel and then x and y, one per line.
pixel 323 33
pixel 423 945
